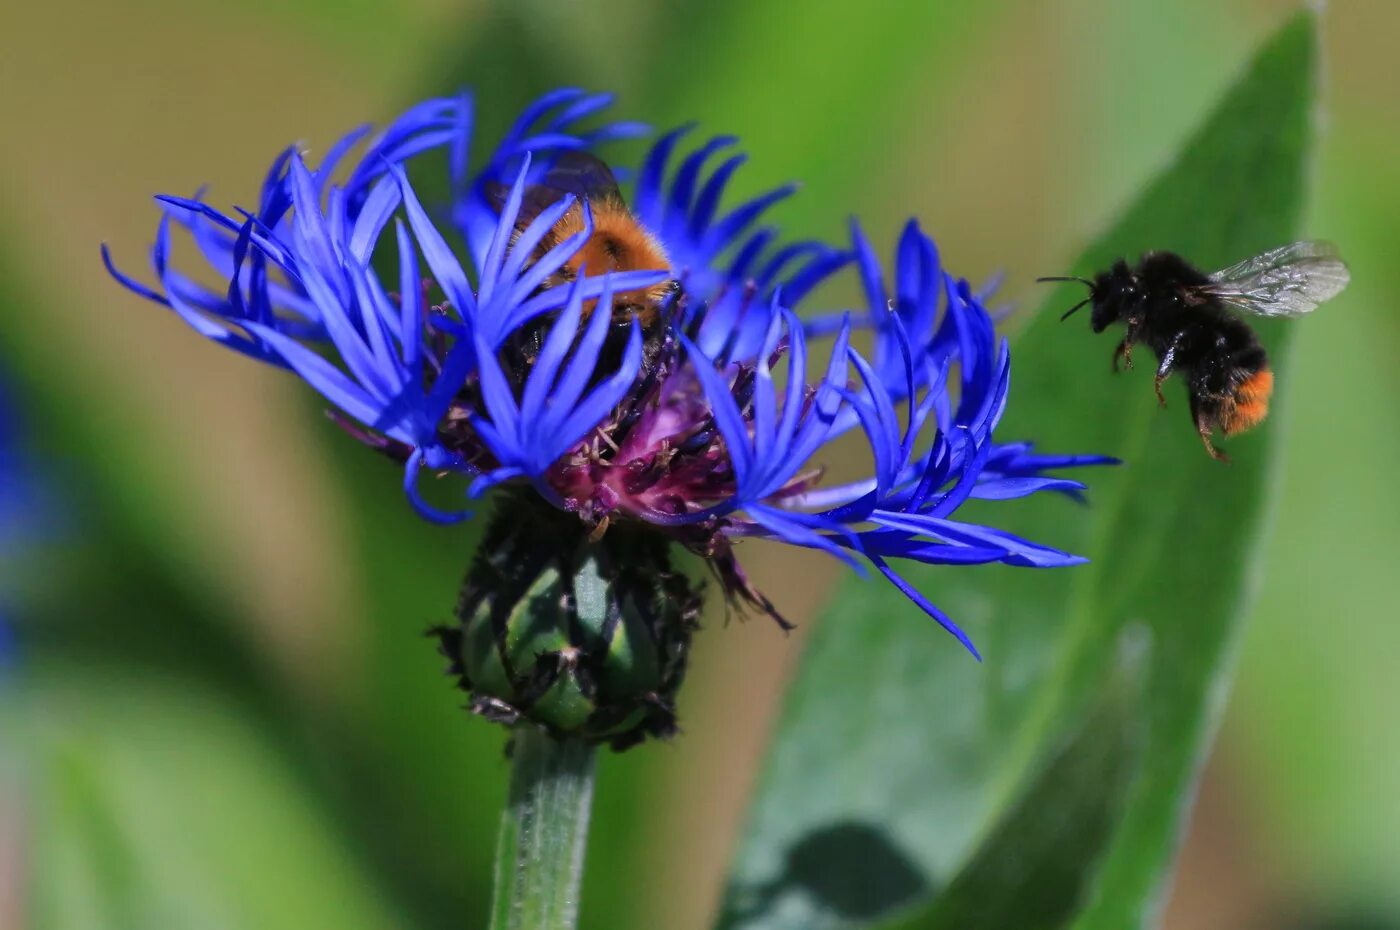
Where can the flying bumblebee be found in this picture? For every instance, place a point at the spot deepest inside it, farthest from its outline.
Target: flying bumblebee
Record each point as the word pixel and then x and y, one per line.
pixel 1189 320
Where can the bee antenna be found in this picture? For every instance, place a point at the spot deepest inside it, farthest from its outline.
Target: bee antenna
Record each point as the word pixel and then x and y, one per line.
pixel 1084 281
pixel 1070 311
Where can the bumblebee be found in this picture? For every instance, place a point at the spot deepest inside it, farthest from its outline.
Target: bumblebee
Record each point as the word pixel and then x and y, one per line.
pixel 1191 321
pixel 619 242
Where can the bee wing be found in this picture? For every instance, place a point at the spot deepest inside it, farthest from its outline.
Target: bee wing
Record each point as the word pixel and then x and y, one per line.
pixel 1288 281
pixel 583 175
pixel 534 200
pixel 573 172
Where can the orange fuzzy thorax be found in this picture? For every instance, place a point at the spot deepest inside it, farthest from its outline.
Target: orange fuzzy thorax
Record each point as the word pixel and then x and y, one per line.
pixel 1249 404
pixel 618 243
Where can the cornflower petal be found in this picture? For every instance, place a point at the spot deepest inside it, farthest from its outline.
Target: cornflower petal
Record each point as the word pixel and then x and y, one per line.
pixel 552 353
pixel 426 510
pixel 728 417
pixel 925 605
pixel 446 269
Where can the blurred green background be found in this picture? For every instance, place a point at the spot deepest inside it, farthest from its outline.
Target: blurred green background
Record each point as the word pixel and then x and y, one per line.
pixel 223 713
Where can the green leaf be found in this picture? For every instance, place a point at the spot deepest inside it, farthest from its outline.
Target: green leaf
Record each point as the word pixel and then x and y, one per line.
pixel 896 752
pixel 1029 872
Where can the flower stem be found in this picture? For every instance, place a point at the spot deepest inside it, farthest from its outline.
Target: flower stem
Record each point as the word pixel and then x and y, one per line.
pixel 544 832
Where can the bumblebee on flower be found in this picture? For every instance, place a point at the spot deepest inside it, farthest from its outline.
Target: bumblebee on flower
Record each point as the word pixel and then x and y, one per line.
pixel 606 371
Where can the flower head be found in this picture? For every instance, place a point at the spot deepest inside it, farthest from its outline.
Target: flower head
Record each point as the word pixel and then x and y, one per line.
pixel 472 337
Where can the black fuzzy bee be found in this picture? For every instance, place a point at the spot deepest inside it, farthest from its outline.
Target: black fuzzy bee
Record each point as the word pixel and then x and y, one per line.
pixel 1189 320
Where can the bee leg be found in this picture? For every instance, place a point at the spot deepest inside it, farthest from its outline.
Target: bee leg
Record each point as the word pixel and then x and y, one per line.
pixel 1205 423
pixel 1215 453
pixel 1125 352
pixel 1164 370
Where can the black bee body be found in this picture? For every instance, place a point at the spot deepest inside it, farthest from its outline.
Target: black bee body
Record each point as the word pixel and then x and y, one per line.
pixel 1190 321
pixel 1165 304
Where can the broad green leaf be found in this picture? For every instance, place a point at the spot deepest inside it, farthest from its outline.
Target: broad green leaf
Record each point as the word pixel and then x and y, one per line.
pixel 1029 871
pixel 896 748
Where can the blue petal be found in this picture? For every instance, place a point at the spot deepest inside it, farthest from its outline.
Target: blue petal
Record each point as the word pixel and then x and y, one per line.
pixel 726 413
pixel 569 389
pixel 925 605
pixel 446 269
pixel 410 301
pixel 410 488
pixel 552 353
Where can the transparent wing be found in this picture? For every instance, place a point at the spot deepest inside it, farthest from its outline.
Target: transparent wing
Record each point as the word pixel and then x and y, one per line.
pixel 583 175
pixel 579 173
pixel 535 199
pixel 1284 282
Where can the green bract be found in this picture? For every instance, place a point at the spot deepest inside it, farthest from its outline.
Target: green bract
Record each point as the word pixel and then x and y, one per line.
pixel 582 636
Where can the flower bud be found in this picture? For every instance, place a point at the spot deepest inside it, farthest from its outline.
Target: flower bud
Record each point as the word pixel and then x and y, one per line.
pixel 586 637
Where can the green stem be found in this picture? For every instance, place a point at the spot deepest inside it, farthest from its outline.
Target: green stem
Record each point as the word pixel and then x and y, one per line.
pixel 544 831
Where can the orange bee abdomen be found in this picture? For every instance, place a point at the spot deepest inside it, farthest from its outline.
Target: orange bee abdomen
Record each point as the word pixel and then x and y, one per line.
pixel 1249 404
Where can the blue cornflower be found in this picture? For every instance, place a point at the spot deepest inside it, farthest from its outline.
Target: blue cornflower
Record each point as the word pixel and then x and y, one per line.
pixel 699 414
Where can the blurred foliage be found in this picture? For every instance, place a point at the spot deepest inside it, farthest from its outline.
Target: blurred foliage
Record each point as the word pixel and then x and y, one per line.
pixel 163 805
pixel 177 768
